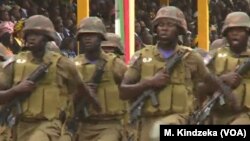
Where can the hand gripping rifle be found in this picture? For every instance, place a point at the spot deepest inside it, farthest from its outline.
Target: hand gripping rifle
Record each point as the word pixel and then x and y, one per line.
pixel 136 107
pixel 81 108
pixel 199 116
pixel 6 117
pixel 93 84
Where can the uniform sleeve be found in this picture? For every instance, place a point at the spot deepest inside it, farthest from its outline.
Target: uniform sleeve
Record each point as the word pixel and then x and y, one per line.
pixel 68 74
pixel 212 54
pixel 6 76
pixel 198 69
pixel 133 73
pixel 119 69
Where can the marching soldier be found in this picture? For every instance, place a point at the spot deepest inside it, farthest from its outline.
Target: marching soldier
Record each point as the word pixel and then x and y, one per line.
pixel 103 72
pixel 148 71
pixel 224 63
pixel 113 44
pixel 46 107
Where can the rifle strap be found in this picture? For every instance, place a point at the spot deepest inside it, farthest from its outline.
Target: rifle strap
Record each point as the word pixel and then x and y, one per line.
pixel 179 54
pixel 100 65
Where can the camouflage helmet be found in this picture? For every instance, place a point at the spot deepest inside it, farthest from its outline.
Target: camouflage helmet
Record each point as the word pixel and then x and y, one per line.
pixel 236 19
pixel 113 40
pixel 91 25
pixel 41 24
pixel 174 13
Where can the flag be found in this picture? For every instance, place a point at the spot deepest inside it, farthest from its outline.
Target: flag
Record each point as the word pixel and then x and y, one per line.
pixel 125 21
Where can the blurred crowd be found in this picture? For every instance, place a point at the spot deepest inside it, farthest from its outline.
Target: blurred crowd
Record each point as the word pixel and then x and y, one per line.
pixel 145 11
pixel 104 9
pixel 14 12
pixel 63 15
pixel 218 9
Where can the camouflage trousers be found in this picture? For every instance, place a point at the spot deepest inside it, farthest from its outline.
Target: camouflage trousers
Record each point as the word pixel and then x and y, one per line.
pixel 41 131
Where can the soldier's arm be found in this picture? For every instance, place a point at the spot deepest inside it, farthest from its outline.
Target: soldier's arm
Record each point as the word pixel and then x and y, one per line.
pixel 209 59
pixel 200 70
pixel 23 88
pixel 6 75
pixel 131 86
pixel 207 85
pixel 8 92
pixel 118 68
pixel 7 95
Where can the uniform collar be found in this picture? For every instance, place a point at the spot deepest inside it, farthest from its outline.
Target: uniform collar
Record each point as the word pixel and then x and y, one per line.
pixel 157 53
pixel 46 57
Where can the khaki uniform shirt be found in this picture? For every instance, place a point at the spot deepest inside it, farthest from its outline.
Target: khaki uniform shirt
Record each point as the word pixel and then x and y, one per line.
pixel 193 62
pixel 66 72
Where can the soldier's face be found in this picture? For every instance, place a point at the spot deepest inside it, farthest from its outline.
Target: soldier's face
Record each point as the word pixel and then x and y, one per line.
pixel 90 41
pixel 167 30
pixel 35 41
pixel 237 37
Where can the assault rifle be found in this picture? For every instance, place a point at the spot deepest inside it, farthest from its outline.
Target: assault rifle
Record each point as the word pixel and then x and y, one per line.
pixel 81 108
pixel 136 107
pixel 97 76
pixel 6 117
pixel 199 116
pixel 95 80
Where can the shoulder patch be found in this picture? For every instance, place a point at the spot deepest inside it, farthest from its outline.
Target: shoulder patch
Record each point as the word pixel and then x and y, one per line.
pixel 146 59
pixel 9 61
